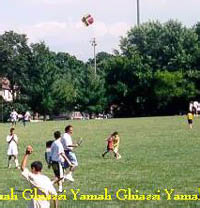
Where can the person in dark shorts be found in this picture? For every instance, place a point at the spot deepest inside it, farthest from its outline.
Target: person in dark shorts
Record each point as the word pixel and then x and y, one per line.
pixel 190 118
pixel 57 158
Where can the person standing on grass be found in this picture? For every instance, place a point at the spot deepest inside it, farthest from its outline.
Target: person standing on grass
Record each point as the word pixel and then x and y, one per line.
pixel 14 117
pixel 48 152
pixel 12 152
pixel 58 157
pixel 190 118
pixel 69 146
pixel 38 181
pixel 26 117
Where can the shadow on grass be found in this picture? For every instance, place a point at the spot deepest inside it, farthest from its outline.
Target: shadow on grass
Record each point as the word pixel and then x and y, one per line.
pixel 4 168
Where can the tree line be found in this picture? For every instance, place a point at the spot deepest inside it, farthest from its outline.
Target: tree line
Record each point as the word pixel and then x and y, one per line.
pixel 155 72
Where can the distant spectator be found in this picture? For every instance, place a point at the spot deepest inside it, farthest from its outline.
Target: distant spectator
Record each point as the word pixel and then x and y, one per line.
pixel 26 117
pixel 36 116
pixel 14 117
pixel 190 118
pixel 195 108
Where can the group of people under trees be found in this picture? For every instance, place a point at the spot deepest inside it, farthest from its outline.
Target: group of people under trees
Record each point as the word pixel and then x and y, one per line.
pixel 14 117
pixel 60 156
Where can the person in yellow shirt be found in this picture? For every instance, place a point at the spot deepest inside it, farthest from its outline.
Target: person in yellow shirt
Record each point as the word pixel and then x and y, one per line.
pixel 116 141
pixel 190 118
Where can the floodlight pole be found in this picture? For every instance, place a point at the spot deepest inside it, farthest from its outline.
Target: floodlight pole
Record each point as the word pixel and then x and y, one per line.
pixel 138 12
pixel 94 44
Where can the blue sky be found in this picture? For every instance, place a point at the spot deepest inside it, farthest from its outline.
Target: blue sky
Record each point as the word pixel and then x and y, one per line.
pixel 58 22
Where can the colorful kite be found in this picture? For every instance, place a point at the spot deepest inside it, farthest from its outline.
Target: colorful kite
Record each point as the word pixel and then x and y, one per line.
pixel 87 20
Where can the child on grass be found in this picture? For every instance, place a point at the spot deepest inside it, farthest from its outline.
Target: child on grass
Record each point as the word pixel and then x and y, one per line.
pixel 48 152
pixel 113 145
pixel 116 141
pixel 12 152
pixel 109 145
pixel 190 118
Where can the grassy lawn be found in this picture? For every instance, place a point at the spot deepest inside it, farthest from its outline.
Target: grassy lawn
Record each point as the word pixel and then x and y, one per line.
pixel 157 153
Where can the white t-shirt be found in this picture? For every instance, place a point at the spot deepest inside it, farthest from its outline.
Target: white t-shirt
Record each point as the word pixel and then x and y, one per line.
pixel 14 115
pixel 66 141
pixel 27 116
pixel 56 150
pixel 12 146
pixel 190 107
pixel 195 104
pixel 44 187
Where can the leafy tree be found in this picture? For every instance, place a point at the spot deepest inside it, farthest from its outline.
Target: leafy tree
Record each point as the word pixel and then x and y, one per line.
pixel 172 90
pixel 128 84
pixel 101 60
pixel 168 46
pixel 64 93
pixel 42 75
pixel 70 66
pixel 14 61
pixel 91 97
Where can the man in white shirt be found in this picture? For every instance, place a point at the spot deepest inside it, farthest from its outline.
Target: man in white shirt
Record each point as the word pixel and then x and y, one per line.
pixel 14 117
pixel 68 147
pixel 26 117
pixel 58 158
pixel 195 104
pixel 38 181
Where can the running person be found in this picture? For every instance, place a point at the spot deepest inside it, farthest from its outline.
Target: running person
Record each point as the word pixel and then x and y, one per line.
pixel 116 141
pixel 58 158
pixel 69 147
pixel 109 145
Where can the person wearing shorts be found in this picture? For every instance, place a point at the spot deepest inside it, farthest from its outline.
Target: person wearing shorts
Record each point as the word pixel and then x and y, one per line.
pixel 69 147
pixel 116 140
pixel 190 118
pixel 109 145
pixel 58 157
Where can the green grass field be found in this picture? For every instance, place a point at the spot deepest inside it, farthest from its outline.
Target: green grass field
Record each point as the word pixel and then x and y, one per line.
pixel 157 153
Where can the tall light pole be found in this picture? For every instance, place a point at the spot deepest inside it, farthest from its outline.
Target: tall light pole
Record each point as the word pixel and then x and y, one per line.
pixel 94 44
pixel 138 12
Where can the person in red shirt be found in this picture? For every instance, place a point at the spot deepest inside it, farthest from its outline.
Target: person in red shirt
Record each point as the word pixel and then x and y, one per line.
pixel 109 145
